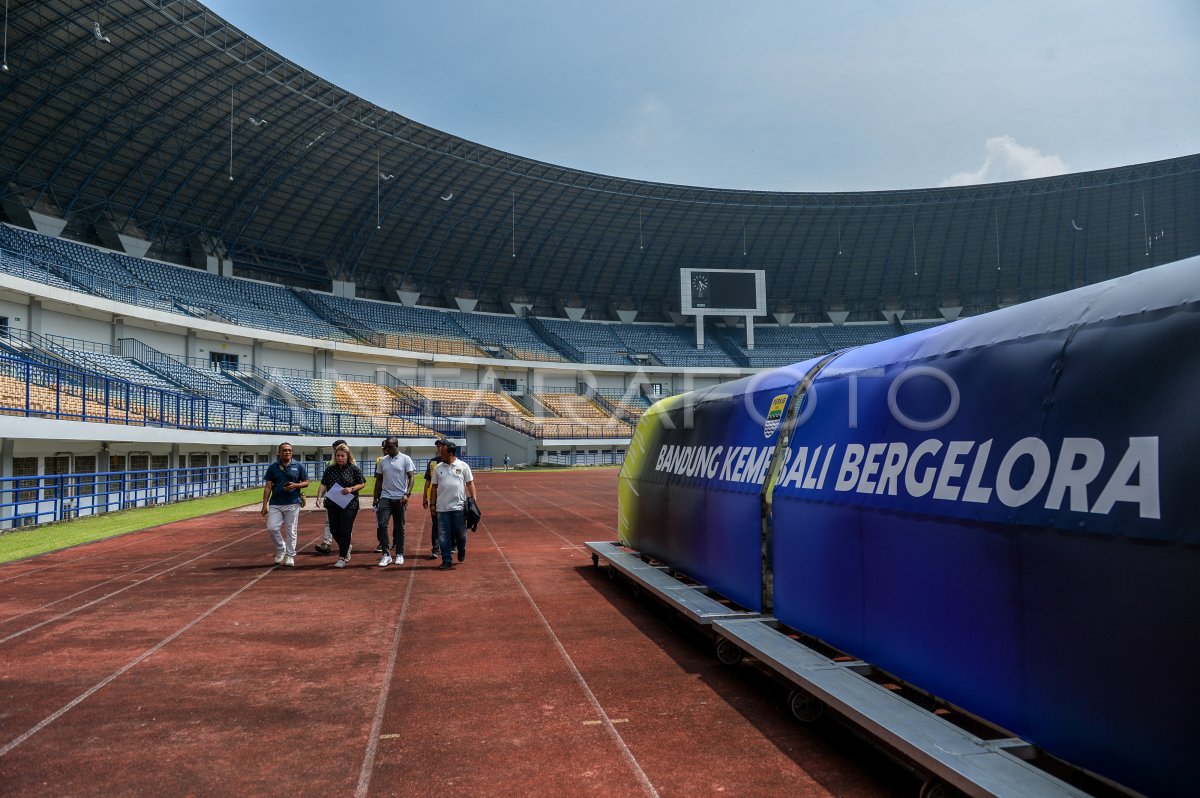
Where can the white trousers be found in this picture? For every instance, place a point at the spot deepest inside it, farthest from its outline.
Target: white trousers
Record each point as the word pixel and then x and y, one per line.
pixel 281 525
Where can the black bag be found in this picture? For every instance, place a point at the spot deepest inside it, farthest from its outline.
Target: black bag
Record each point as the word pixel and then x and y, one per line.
pixel 472 514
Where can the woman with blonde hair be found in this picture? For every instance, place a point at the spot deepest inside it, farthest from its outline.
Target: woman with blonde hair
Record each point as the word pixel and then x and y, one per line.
pixel 345 479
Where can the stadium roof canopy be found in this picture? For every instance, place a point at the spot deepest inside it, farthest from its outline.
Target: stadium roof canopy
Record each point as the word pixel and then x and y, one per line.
pixel 169 124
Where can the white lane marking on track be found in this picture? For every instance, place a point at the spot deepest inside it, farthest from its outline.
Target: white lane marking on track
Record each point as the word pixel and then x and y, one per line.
pixel 565 509
pixel 206 547
pixel 79 699
pixel 628 756
pixel 574 497
pixel 368 763
pixel 62 615
pixel 80 559
pixel 540 522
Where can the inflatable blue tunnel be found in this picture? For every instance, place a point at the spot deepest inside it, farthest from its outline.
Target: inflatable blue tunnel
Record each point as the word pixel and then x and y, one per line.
pixel 1001 511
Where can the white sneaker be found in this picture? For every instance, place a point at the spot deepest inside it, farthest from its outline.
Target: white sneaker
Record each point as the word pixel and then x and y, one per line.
pixel 399 559
pixel 279 559
pixel 290 562
pixel 340 563
pixel 385 560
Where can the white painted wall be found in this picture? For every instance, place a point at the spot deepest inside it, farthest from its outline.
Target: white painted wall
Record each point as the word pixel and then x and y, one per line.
pixel 172 343
pixel 610 382
pixel 352 367
pixel 56 323
pixel 554 380
pixel 287 359
pixel 17 313
pixel 244 351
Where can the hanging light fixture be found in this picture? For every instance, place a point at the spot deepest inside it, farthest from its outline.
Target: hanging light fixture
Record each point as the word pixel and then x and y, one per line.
pixel 97 33
pixel 4 67
pixel 380 177
pixel 231 92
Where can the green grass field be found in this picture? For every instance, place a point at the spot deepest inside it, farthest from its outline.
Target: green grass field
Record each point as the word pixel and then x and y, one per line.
pixel 52 537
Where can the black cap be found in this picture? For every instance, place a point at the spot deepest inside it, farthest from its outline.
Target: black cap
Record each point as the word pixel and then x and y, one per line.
pixel 441 442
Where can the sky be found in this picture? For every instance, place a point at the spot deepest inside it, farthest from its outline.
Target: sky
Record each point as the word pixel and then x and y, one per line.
pixel 778 95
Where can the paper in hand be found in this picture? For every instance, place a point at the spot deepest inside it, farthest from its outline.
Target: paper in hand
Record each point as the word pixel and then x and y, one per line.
pixel 335 495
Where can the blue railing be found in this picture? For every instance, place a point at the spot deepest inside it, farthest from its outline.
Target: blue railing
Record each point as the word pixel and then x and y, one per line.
pixel 46 391
pixel 25 501
pixel 42 499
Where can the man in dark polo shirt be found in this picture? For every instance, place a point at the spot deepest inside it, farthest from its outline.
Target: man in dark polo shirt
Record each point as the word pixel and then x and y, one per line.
pixel 284 480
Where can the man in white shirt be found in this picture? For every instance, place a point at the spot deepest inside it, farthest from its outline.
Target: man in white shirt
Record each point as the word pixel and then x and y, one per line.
pixel 453 483
pixel 393 485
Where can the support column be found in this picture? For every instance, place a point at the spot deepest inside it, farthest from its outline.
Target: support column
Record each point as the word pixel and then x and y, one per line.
pixel 35 316
pixel 700 331
pixel 749 332
pixel 320 362
pixel 118 330
pixel 6 470
pixel 191 347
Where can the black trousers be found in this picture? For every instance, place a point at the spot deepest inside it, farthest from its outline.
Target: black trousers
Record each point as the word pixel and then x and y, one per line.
pixel 341 524
pixel 392 509
pixel 433 531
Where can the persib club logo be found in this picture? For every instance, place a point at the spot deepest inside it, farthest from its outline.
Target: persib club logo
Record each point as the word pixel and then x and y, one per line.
pixel 775 415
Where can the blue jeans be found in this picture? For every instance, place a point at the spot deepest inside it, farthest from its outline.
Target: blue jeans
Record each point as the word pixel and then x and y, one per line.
pixel 452 532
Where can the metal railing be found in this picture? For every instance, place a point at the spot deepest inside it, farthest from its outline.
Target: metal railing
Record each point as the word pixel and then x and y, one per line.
pixel 41 499
pixel 548 428
pixel 41 390
pixel 47 272
pixel 30 500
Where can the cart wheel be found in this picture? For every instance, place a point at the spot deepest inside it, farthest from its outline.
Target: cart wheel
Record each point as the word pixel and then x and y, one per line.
pixel 806 707
pixel 595 560
pixel 728 653
pixel 936 788
pixel 612 573
pixel 637 591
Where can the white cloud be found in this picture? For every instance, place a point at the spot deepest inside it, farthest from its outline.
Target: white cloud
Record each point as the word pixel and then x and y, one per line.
pixel 1005 159
pixel 650 121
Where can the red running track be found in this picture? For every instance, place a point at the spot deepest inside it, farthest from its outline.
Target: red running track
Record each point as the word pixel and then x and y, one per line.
pixel 179 661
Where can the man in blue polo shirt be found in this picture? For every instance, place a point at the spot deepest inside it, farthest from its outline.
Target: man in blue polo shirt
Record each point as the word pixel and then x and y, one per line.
pixel 284 480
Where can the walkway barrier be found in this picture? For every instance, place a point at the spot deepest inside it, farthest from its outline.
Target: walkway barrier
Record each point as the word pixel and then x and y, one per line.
pixel 42 499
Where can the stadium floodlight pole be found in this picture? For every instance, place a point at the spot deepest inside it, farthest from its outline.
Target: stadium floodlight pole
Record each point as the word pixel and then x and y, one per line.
pixel 514 222
pixel 5 65
pixel 640 228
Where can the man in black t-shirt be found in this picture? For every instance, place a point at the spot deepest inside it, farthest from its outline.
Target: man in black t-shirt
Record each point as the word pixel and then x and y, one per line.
pixel 432 464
